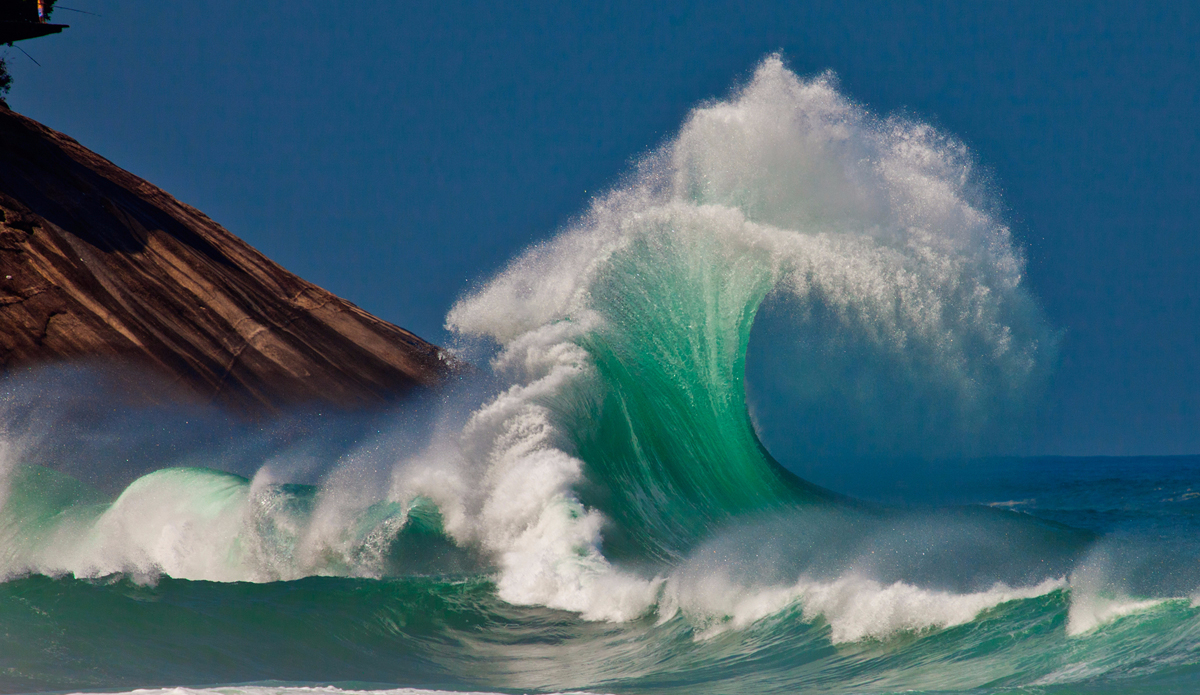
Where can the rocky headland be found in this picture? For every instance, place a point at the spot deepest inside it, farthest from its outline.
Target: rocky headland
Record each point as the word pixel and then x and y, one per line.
pixel 99 265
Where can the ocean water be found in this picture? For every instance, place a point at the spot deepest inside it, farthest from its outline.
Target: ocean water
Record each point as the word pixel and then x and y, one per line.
pixel 738 428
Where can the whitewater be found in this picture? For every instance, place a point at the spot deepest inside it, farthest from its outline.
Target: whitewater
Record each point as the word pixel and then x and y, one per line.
pixel 608 503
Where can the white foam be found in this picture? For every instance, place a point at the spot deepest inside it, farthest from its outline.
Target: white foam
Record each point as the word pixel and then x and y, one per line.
pixel 855 607
pixel 522 508
pixel 1099 597
pixel 1090 610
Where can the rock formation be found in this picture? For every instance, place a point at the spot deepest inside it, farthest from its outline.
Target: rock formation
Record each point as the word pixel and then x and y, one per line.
pixel 98 263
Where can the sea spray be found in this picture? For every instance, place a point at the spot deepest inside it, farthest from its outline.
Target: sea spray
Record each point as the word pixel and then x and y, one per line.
pixel 865 228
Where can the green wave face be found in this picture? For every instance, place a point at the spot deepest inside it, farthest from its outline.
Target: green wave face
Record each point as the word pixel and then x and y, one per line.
pixel 672 442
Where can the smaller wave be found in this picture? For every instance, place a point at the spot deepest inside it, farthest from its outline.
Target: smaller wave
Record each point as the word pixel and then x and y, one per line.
pixel 1090 611
pixel 1011 504
pixel 856 608
pixel 201 524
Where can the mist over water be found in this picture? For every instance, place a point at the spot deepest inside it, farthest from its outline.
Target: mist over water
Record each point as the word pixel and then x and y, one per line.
pixel 601 506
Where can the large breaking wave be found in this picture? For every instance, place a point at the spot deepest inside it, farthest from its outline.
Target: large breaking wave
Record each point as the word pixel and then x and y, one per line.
pixel 907 327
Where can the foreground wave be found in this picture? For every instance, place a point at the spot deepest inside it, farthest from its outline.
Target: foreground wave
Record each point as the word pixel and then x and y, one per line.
pixel 598 509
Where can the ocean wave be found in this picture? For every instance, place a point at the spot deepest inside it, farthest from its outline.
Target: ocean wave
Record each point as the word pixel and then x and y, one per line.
pixel 847 270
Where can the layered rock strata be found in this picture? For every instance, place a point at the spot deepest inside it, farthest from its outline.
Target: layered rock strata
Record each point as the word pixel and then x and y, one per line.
pixel 98 264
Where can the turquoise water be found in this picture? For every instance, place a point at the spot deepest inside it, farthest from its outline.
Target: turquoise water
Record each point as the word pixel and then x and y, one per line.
pixel 733 431
pixel 453 632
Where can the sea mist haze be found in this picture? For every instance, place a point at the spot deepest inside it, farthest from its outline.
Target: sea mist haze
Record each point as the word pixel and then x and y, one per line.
pixel 746 424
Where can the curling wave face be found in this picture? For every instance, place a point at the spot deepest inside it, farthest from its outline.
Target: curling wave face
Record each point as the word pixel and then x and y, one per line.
pixel 612 467
pixel 627 335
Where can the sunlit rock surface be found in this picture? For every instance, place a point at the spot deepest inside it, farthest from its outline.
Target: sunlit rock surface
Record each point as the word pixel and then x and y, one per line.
pixel 96 263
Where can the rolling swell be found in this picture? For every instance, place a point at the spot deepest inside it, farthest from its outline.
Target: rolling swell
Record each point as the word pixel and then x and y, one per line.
pixel 605 514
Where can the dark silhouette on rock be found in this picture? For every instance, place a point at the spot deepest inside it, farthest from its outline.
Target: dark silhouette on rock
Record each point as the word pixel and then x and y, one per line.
pixel 97 264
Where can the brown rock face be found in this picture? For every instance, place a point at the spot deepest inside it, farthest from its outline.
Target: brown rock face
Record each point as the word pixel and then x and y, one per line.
pixel 97 263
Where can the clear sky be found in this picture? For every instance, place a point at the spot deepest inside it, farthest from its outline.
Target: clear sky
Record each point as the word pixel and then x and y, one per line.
pixel 398 152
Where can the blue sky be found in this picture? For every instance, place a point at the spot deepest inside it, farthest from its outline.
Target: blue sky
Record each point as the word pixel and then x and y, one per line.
pixel 398 152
